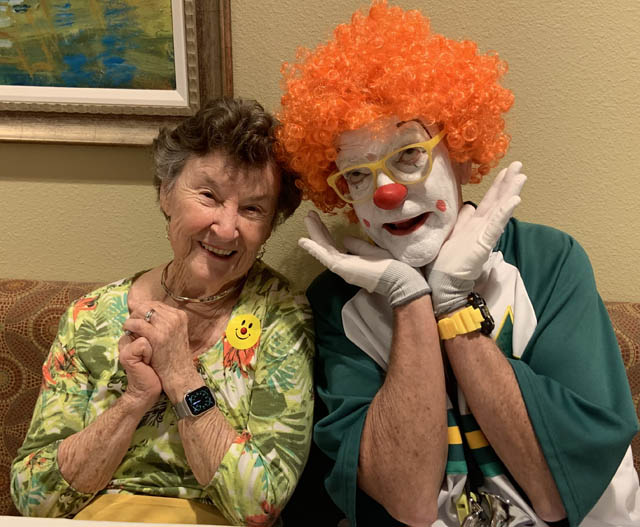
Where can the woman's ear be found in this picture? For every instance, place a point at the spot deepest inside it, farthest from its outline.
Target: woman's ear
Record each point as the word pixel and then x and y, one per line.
pixel 462 171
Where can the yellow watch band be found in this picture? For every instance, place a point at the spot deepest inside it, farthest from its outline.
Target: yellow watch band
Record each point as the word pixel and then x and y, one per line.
pixel 464 321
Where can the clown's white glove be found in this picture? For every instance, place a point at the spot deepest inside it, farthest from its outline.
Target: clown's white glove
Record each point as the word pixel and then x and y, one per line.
pixel 369 267
pixel 453 273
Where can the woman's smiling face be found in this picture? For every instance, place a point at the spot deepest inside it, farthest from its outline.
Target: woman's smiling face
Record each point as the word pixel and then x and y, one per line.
pixel 221 214
pixel 414 231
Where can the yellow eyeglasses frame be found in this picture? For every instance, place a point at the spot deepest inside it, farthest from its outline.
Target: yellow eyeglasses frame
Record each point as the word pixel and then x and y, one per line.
pixel 379 165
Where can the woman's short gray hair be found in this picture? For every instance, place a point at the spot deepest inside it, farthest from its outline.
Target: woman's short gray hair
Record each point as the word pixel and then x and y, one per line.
pixel 240 129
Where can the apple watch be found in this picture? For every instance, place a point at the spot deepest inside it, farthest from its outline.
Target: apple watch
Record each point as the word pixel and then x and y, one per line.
pixel 195 403
pixel 475 316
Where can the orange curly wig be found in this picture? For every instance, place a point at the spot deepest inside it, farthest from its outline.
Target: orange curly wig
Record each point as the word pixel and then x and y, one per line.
pixel 382 64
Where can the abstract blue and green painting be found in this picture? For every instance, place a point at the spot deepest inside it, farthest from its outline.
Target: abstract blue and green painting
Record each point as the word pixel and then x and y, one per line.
pixel 87 44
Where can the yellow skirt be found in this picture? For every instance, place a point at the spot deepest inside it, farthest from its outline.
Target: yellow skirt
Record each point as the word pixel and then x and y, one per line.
pixel 150 509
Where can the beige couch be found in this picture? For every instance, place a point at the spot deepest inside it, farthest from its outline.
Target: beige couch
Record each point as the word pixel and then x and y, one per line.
pixel 29 315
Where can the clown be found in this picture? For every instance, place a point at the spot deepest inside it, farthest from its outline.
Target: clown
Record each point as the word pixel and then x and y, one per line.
pixel 467 364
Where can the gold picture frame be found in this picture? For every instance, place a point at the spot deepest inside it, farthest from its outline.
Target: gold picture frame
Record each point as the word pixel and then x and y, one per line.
pixel 202 35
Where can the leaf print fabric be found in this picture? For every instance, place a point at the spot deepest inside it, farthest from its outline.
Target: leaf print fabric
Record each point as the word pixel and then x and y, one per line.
pixel 265 392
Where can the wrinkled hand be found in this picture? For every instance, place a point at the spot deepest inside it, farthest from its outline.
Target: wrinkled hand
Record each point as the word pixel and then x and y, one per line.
pixel 453 273
pixel 166 334
pixel 368 266
pixel 143 383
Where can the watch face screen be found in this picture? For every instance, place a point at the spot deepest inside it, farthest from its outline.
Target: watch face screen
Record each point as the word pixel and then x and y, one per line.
pixel 200 400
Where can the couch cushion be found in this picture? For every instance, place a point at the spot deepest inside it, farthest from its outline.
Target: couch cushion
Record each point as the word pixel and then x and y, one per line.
pixel 29 314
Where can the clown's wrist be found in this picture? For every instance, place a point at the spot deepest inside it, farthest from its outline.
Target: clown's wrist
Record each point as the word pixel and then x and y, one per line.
pixel 449 292
pixel 402 284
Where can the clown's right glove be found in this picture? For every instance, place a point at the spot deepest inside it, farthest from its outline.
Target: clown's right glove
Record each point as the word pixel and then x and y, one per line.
pixel 453 273
pixel 369 266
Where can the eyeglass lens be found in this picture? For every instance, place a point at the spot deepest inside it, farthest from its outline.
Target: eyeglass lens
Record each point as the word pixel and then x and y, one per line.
pixel 408 165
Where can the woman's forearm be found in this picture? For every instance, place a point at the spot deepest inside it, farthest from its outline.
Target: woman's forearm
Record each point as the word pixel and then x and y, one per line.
pixel 206 438
pixel 88 459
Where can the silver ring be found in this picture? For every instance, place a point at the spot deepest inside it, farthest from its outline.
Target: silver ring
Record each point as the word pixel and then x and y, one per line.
pixel 147 317
pixel 128 333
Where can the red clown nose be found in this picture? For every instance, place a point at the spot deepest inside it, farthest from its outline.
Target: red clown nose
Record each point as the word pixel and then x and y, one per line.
pixel 390 196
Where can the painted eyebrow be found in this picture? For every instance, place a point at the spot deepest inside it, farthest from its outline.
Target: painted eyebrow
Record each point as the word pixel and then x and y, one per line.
pixel 398 125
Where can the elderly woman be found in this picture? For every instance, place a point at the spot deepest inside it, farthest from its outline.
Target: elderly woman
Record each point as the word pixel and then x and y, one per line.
pixel 184 393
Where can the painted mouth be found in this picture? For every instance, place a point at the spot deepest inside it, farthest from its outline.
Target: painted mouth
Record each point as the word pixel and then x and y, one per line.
pixel 221 253
pixel 239 337
pixel 404 227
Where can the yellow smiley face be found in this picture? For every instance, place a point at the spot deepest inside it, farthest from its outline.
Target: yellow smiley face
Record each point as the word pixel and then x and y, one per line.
pixel 243 331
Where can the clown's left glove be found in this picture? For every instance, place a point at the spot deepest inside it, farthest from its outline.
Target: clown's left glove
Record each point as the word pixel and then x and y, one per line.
pixel 368 266
pixel 453 273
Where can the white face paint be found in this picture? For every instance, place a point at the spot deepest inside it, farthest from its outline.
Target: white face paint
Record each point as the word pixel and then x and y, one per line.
pixel 415 231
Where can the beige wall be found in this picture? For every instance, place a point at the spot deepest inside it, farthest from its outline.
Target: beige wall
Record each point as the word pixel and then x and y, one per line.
pixel 89 213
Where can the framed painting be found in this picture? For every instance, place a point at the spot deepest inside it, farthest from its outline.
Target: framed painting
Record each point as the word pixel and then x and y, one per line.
pixel 109 71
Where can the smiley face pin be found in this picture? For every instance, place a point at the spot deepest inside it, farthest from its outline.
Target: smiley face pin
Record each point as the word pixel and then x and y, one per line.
pixel 243 331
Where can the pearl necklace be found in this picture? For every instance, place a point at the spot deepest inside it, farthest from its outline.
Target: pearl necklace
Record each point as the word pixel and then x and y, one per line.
pixel 205 300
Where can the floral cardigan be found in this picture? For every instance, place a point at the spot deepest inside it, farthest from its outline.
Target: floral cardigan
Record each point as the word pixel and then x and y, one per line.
pixel 264 391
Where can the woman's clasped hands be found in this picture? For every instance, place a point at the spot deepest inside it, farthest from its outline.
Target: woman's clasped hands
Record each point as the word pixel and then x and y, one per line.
pixel 154 351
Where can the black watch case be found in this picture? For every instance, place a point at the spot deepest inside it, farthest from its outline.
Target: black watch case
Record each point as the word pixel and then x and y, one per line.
pixel 475 300
pixel 200 400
